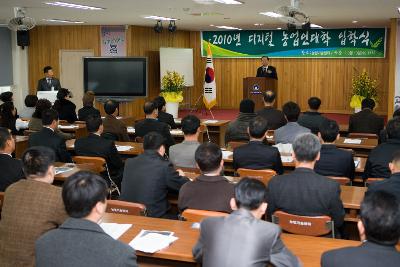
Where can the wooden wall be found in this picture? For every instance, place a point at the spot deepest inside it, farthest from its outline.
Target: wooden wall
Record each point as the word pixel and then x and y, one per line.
pixel 329 79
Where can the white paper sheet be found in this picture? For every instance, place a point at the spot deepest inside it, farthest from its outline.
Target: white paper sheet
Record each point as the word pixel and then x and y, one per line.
pixel 130 129
pixel 115 230
pixel 176 132
pixel 284 148
pixel 352 141
pixel 178 120
pixel 63 169
pixel 151 242
pixel 210 121
pixel 287 159
pixel 68 126
pixel 123 148
pixel 226 154
pixel 356 163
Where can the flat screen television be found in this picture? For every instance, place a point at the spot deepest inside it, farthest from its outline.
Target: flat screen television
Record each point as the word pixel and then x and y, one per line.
pixel 116 76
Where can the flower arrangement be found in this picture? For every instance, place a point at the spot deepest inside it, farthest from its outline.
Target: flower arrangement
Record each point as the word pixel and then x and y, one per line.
pixel 172 85
pixel 363 87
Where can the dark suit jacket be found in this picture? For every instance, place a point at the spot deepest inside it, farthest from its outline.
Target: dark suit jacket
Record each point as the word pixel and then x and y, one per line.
pixel 365 121
pixel 335 162
pixel 275 117
pixel 379 158
pixel 80 242
pixel 112 125
pixel 241 240
pixel 311 120
pixel 11 171
pixel 206 193
pixel 303 192
pixel 48 138
pixel 390 185
pixel 145 126
pixel 368 254
pixel 167 118
pixel 148 179
pixel 237 129
pixel 66 110
pixel 256 155
pixel 44 86
pixel 271 72
pixel 84 112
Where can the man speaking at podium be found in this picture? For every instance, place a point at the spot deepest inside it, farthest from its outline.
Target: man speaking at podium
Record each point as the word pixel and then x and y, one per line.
pixel 48 83
pixel 266 70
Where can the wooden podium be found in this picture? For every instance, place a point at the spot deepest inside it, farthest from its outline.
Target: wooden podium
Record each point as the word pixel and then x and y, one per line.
pixel 254 87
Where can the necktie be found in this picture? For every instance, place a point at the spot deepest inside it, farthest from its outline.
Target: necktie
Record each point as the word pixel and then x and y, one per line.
pixel 49 82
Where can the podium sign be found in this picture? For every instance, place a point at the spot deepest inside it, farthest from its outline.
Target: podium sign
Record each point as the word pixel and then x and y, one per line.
pixel 254 88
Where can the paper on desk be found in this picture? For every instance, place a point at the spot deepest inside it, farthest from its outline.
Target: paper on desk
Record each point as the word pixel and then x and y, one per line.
pixel 152 241
pixel 226 154
pixel 115 230
pixel 177 120
pixel 284 148
pixel 123 148
pixel 287 159
pixel 130 129
pixel 176 132
pixel 20 124
pixel 356 163
pixel 352 141
pixel 210 121
pixel 63 169
pixel 68 126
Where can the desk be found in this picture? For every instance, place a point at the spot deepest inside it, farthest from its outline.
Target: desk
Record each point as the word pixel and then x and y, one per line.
pixel 177 134
pixel 137 148
pixel 79 129
pixel 21 144
pixel 76 167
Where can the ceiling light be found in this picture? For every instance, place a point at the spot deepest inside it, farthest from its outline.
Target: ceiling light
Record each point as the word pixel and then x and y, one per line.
pixel 159 18
pixel 64 4
pixel 64 21
pixel 279 28
pixel 172 27
pixel 271 14
pixel 354 21
pixel 229 2
pixel 228 28
pixel 158 28
pixel 316 26
pixel 398 9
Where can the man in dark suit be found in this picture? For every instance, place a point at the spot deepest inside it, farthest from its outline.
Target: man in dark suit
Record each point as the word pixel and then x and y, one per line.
pixel 312 119
pixel 275 117
pixel 80 241
pixel 256 155
pixel 94 145
pixel 210 191
pixel 87 109
pixel 303 192
pixel 378 160
pixel 162 115
pixel 48 83
pixel 247 240
pixel 113 125
pixel 11 169
pixel 149 178
pixel 379 230
pixel 333 161
pixel 266 70
pixel 49 138
pixel 150 124
pixel 366 121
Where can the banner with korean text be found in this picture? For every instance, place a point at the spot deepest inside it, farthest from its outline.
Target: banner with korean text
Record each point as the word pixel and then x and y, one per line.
pixel 313 43
pixel 113 41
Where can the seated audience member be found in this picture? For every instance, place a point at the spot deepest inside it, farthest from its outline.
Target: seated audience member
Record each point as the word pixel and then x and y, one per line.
pixel 8 117
pixel 237 129
pixel 80 241
pixel 87 109
pixel 379 230
pixel 182 154
pixel 247 239
pixel 333 161
pixel 31 207
pixel 378 160
pixel 149 178
pixel 47 137
pixel 366 121
pixel 29 108
pixel 257 155
pixel 288 133
pixel 303 192
pixel 11 169
pixel 7 97
pixel 312 119
pixel 65 108
pixel 35 123
pixel 150 124
pixel 94 145
pixel 383 134
pixel 162 115
pixel 210 191
pixel 112 124
pixel 275 117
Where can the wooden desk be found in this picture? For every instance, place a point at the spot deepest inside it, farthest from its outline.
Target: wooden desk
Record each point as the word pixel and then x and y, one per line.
pixel 76 167
pixel 137 148
pixel 352 196
pixel 177 134
pixel 21 144
pixel 79 130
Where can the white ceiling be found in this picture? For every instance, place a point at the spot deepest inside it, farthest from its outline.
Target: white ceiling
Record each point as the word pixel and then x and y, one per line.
pixel 327 13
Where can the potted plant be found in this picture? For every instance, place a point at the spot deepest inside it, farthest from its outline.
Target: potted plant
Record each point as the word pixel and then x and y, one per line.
pixel 172 85
pixel 363 87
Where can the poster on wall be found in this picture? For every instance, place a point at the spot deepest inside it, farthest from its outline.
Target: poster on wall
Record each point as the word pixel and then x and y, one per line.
pixel 313 43
pixel 113 41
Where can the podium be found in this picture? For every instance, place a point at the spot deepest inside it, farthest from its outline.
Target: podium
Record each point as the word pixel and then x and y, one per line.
pixel 254 87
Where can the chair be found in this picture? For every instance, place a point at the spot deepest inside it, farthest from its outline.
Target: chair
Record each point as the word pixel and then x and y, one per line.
pixel 363 135
pixel 110 136
pixel 263 175
pixel 192 215
pixel 235 144
pixel 139 139
pixel 304 225
pixel 341 180
pixel 124 207
pixel 99 166
pixel 372 180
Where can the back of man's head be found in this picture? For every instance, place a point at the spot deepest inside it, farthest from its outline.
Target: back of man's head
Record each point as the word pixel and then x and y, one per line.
pixel 37 160
pixel 93 123
pixel 208 157
pixel 247 106
pixel 48 116
pixel 153 141
pixel 6 96
pixel 314 103
pixel 5 135
pixel 393 128
pixel 368 103
pixel 258 127
pixel 329 130
pixel 306 147
pixel 149 107
pixel 88 99
pixel 81 192
pixel 190 124
pixel 269 96
pixel 110 106
pixel 291 111
pixel 159 101
pixel 380 215
pixel 31 100
pixel 250 193
pixel 394 165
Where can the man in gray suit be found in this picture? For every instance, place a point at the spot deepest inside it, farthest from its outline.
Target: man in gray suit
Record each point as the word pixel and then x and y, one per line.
pixel 80 241
pixel 242 239
pixel 288 133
